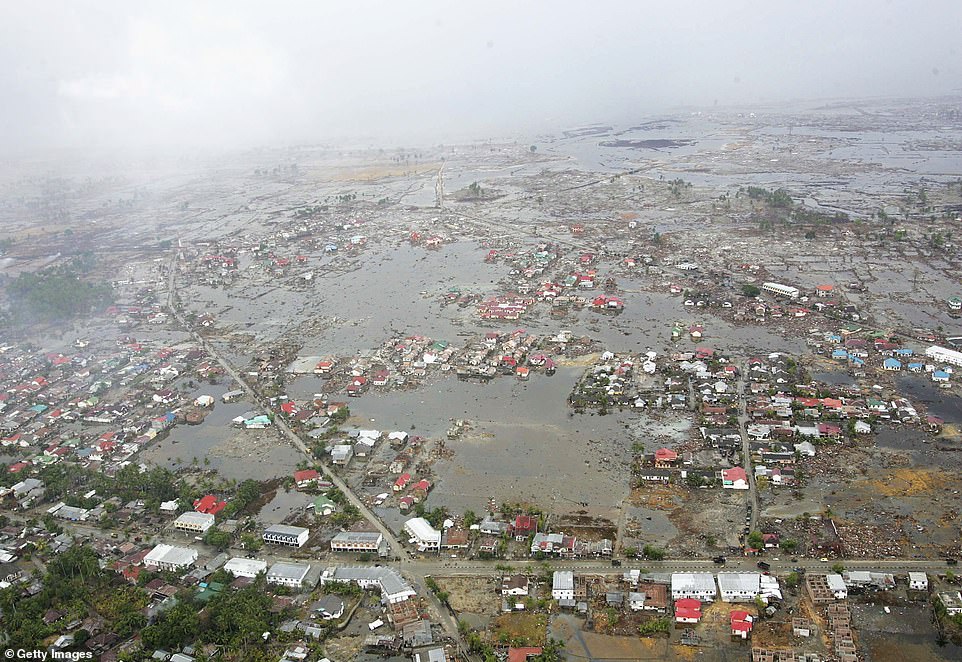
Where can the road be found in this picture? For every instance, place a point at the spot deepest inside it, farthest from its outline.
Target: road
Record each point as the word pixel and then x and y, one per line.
pixel 443 566
pixel 746 451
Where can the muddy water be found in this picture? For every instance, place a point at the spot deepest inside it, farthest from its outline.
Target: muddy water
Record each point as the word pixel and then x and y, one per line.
pixel 285 505
pixel 524 442
pixel 939 402
pixel 235 453
pixel 834 378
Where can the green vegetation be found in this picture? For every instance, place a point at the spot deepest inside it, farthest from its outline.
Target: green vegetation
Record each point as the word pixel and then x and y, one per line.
pixel 755 539
pixel 57 293
pixel 441 594
pixel 792 580
pixel 677 187
pixel 251 541
pixel 653 553
pixel 436 516
pixel 340 415
pixel 777 198
pixel 655 626
pixel 217 538
pixel 247 493
pixel 750 290
pixel 176 627
pixel 343 589
pixel 75 585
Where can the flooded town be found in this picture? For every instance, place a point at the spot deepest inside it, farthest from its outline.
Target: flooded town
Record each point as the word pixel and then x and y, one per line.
pixel 616 393
pixel 335 335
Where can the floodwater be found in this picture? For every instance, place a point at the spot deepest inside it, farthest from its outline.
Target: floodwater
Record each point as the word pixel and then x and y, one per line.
pixel 235 453
pixel 284 505
pixel 938 401
pixel 834 378
pixel 907 633
pixel 525 444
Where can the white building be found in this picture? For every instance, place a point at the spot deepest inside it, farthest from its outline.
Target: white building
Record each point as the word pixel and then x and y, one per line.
pixel 943 355
pixel 952 602
pixel 837 586
pixel 357 541
pixel 738 586
pixel 341 454
pixel 781 290
pixel 288 574
pixel 918 581
pixel 245 567
pixel 563 585
pixel 168 557
pixel 422 534
pixel 697 585
pixel 288 536
pixel 392 585
pixel 194 522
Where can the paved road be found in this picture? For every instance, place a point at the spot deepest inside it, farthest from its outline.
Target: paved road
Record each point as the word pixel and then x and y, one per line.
pixel 746 451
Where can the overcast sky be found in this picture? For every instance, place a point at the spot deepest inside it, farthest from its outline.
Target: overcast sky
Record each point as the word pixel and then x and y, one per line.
pixel 123 73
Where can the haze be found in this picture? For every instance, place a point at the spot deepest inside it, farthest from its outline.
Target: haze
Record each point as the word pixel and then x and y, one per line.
pixel 123 75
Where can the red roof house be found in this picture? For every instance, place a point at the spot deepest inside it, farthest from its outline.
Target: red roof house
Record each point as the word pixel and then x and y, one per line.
pixel 209 505
pixel 306 477
pixel 524 526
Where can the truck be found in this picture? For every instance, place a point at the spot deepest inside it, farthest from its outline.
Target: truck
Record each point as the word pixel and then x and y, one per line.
pixel 764 566
pixel 720 560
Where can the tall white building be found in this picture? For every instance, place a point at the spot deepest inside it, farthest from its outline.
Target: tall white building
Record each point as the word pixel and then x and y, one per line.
pixel 563 585
pixel 168 557
pixel 781 290
pixel 698 585
pixel 288 574
pixel 194 522
pixel 245 567
pixel 425 536
pixel 288 536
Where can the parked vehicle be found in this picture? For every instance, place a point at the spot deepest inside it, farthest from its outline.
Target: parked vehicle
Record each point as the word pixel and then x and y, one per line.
pixel 764 566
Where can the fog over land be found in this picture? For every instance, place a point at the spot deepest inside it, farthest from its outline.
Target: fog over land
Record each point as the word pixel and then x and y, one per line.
pixel 125 75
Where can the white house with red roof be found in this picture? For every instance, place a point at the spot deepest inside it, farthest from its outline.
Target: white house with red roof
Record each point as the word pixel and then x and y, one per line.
pixel 687 610
pixel 306 478
pixel 665 458
pixel 734 479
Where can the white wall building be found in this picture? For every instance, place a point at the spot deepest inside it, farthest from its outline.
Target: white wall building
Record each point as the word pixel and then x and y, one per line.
pixel 943 355
pixel 194 522
pixel 918 581
pixel 392 585
pixel 425 536
pixel 357 541
pixel 288 536
pixel 168 557
pixel 697 585
pixel 781 290
pixel 563 585
pixel 288 574
pixel 738 586
pixel 245 567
